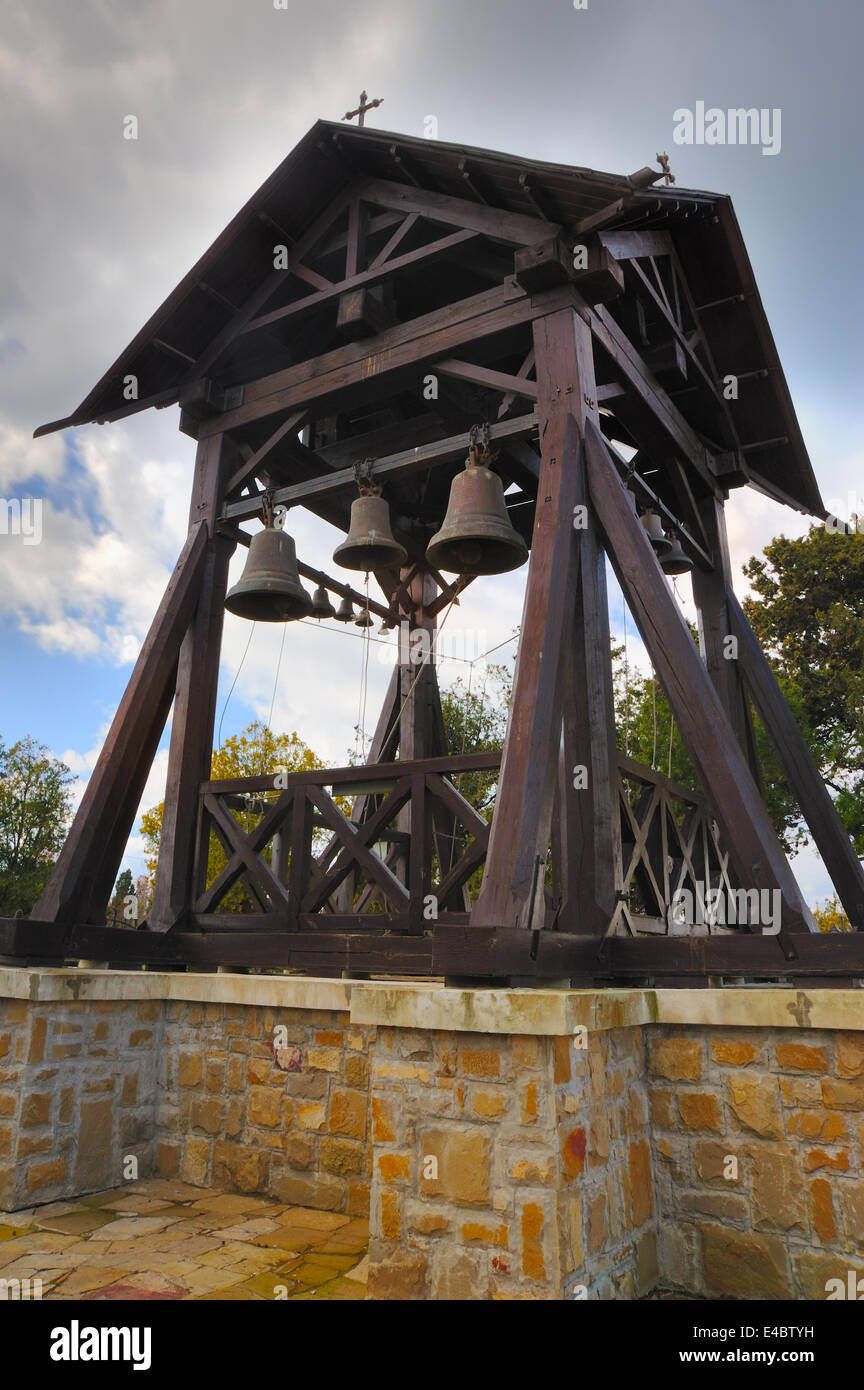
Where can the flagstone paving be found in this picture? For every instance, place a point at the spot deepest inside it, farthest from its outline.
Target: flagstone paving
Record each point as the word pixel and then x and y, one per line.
pixel 160 1239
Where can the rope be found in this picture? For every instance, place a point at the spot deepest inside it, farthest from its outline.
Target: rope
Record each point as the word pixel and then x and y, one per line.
pixel 273 700
pixel 233 683
pixel 360 741
pixel 626 690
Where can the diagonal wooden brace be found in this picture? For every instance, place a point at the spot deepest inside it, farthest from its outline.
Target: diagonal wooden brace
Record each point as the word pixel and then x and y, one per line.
pixel 754 850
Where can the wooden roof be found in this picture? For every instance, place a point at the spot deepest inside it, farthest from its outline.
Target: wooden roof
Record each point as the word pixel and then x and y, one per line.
pixel 164 355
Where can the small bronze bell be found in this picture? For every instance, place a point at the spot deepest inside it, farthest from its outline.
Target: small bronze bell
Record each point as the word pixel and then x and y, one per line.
pixel 321 605
pixel 477 536
pixel 345 611
pixel 676 561
pixel 655 533
pixel 269 589
pixel 363 619
pixel 370 544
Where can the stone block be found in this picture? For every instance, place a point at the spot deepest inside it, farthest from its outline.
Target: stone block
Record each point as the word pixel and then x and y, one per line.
pixel 239 1167
pixel 489 1105
pixel 348 1113
pixel 35 1110
pixel 755 1103
pixel 850 1054
pixel 342 1156
pixel 95 1160
pixel 778 1201
pixel 463 1165
pixel 815 1269
pixel 822 1207
pixel 699 1110
pixel 196 1162
pixel 641 1186
pixel 322 1191
pixel 743 1265
pixel 402 1277
pixel 42 1176
pixel 843 1095
pixel 801 1057
pixel 265 1106
pixel 675 1059
pixel 480 1061
pixel 532 1226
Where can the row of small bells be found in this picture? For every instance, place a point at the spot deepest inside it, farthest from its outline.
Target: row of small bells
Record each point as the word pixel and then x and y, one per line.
pixel 477 538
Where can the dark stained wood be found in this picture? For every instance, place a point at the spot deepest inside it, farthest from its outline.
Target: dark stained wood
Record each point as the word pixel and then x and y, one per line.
pixel 88 863
pixel 758 858
pixel 356 280
pixel 387 469
pixel 523 808
pixel 183 842
pixel 509 227
pixel 436 334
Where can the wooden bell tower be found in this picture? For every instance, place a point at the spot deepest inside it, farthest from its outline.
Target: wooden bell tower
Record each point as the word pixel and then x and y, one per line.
pixel 592 319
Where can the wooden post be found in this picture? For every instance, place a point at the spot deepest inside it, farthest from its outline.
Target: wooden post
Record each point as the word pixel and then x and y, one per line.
pixel 512 893
pixel 590 832
pixel 86 869
pixel 185 831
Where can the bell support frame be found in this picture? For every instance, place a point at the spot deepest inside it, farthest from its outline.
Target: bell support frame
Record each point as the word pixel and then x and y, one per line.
pixel 392 282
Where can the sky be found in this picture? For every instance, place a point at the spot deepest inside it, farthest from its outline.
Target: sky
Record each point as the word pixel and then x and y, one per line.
pixel 97 229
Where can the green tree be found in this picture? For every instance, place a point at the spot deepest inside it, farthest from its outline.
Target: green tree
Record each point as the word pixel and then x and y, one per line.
pixel 117 908
pixel 807 610
pixel 35 804
pixel 257 752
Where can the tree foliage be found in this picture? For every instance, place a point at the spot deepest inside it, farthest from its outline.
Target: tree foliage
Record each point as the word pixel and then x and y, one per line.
pixel 808 613
pixel 35 804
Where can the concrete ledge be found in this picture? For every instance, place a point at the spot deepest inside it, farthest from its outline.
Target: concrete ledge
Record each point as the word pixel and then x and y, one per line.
pixel 430 1006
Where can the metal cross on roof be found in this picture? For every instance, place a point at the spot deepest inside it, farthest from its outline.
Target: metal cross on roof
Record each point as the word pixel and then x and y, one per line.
pixel 362 109
pixel 668 176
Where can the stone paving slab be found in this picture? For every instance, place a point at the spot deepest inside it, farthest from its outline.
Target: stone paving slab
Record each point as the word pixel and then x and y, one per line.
pixel 159 1239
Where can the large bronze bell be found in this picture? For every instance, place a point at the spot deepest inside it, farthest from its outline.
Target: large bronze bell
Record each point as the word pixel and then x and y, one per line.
pixel 477 536
pixel 370 543
pixel 269 589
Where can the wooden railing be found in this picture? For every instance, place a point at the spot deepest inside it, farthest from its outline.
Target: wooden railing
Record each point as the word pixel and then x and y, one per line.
pixel 393 846
pixel 402 866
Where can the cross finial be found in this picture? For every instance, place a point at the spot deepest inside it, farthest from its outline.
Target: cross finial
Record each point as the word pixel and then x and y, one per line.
pixel 361 110
pixel 668 176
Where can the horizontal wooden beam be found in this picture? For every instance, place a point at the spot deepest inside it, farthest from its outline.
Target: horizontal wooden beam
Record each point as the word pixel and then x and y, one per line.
pixel 364 772
pixel 261 941
pixel 509 227
pixel 387 469
pixel 405 347
pixel 485 376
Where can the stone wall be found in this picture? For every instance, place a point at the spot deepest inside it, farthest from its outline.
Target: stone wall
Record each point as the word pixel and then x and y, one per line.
pixel 505 1167
pixel 527 1144
pixel 245 1107
pixel 758 1144
pixel 77 1082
